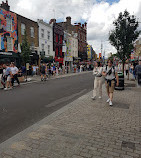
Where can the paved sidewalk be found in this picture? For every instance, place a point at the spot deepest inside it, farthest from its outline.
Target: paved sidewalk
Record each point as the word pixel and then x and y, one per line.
pixel 84 129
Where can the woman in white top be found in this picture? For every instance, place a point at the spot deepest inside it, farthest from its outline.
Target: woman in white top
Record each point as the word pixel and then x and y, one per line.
pixel 97 72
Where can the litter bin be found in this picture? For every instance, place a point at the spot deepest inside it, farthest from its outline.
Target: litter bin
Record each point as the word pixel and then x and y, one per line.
pixel 121 81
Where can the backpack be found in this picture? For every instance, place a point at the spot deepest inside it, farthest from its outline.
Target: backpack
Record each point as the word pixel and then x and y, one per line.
pixel 112 68
pixel 43 68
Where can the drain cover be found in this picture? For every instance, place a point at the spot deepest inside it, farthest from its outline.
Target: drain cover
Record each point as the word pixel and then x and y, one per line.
pixel 129 145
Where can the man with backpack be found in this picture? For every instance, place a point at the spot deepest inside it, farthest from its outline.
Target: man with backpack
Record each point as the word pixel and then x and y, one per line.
pixel 110 76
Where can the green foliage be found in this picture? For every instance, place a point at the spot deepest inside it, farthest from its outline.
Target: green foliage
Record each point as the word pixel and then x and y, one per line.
pixel 25 48
pixel 124 34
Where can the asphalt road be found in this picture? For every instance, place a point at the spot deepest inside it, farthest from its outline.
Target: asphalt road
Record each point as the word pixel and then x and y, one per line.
pixel 28 104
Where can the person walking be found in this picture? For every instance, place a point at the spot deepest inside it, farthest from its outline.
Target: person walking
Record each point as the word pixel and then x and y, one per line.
pixel 14 71
pixel 138 73
pixel 3 78
pixel 110 75
pixel 97 72
pixel 126 68
pixel 8 75
pixel 43 72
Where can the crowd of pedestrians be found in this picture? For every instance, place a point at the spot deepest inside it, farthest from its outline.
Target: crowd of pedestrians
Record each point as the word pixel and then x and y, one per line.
pixel 9 75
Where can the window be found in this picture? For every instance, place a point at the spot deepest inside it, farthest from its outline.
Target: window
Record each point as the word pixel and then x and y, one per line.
pixel 57 38
pixel 42 33
pixel 32 31
pixel 32 46
pixel 9 24
pixel 43 47
pixel 22 29
pixel 48 49
pixel 9 44
pixel 48 35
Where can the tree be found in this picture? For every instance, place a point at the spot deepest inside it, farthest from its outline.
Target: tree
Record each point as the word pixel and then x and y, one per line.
pixel 25 48
pixel 124 35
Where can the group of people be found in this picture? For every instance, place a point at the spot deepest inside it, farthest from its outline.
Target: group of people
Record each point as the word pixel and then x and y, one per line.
pixel 9 75
pixel 110 73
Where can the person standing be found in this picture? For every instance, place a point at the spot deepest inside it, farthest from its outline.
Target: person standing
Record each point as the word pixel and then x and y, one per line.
pixel 14 71
pixel 97 72
pixel 8 75
pixel 138 73
pixel 110 75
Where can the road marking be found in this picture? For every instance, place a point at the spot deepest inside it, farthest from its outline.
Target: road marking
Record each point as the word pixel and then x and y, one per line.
pixel 59 101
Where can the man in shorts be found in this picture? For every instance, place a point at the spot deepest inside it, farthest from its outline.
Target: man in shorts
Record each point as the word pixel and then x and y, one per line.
pixel 43 72
pixel 110 75
pixel 8 75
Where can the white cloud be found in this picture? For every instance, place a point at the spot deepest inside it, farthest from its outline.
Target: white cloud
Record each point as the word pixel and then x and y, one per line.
pixel 101 19
pixel 99 15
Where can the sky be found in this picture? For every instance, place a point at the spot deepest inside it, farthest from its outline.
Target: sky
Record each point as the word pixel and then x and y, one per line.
pixel 99 15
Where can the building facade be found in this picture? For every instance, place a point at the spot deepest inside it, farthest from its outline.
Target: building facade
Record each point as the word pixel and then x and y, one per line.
pixel 138 48
pixel 8 35
pixel 31 28
pixel 81 30
pixel 58 36
pixel 46 41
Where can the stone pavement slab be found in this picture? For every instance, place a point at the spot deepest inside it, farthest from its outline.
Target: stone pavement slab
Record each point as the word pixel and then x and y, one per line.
pixel 84 129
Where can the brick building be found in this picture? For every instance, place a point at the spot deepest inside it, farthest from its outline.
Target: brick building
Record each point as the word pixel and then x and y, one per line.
pixel 8 35
pixel 58 36
pixel 81 30
pixel 31 28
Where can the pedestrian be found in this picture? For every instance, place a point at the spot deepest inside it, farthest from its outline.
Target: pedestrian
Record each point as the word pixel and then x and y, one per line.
pixel 3 77
pixel 8 75
pixel 138 73
pixel 14 71
pixel 81 68
pixel 57 71
pixel 126 68
pixel 134 65
pixel 97 72
pixel 120 66
pixel 54 70
pixel 110 75
pixel 43 72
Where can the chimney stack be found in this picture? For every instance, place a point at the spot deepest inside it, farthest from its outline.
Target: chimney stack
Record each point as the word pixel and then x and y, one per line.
pixel 68 20
pixel 52 21
pixel 5 5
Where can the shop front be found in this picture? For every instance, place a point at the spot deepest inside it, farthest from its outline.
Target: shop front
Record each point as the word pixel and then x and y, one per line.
pixel 59 60
pixel 8 57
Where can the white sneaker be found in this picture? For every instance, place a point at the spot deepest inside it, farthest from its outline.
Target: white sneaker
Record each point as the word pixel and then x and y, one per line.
pixel 108 100
pixel 99 97
pixel 110 103
pixel 93 98
pixel 6 89
pixel 10 88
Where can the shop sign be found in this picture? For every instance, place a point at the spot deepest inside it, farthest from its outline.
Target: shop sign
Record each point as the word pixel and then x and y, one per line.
pixel 5 53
